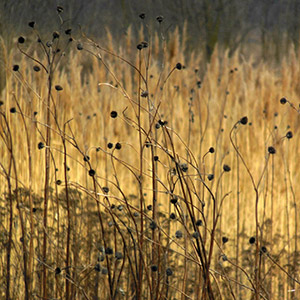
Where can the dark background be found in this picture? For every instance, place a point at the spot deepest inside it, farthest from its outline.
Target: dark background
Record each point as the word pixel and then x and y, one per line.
pixel 272 25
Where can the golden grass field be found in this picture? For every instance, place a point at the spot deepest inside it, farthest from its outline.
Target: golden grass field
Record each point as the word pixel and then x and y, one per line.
pixel 105 244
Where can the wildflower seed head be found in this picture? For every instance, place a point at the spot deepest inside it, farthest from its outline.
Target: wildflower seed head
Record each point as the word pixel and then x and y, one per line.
pixel 21 40
pixel 79 47
pixel 105 189
pixel 226 168
pixel 169 272
pixel 210 177
pixel 144 94
pixel 58 88
pixel 157 125
pixel 41 145
pixel 31 24
pixel 113 114
pixel 13 110
pixel 252 240
pixel 244 120
pixel 97 268
pixel 55 35
pixel 68 31
pixel 153 225
pixel 104 271
pixel 195 235
pixel 118 146
pixel 109 251
pixel 289 134
pixel 16 68
pixel 283 101
pixel 144 44
pixel 154 268
pixel 136 214
pixel 263 249
pixel 58 182
pixel 156 158
pixel 178 66
pixel 184 167
pixel 49 44
pixel 271 150
pixel 174 200
pixel 1 103
pixel 59 9
pixel 172 216
pixel 36 68
pixel 224 257
pixel 86 158
pixel 211 150
pixel 198 222
pixel 142 16
pixel 224 239
pixel 118 255
pixel 92 172
pixel 178 234
pixel 110 145
pixel 139 46
pixel 57 271
pixel 161 122
pixel 159 19
pixel 149 207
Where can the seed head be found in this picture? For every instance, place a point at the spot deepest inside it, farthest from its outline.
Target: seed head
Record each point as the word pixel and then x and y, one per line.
pixel 142 16
pixel 68 31
pixel 172 216
pixel 178 234
pixel 271 150
pixel 226 168
pixel 57 271
pixel 58 182
pixel 156 158
pixel 110 145
pixel 97 268
pixel 79 47
pixel 31 24
pixel 195 235
pixel 21 40
pixel 169 272
pixel 139 47
pixel 1 103
pixel 211 150
pixel 41 145
pixel 263 249
pixel 59 9
pixel 144 94
pixel 224 239
pixel 252 240
pixel 36 68
pixel 244 120
pixel 198 222
pixel 13 110
pixel 105 189
pixel 118 255
pixel 159 19
pixel 210 177
pixel 86 158
pixel 283 101
pixel 55 35
pixel 16 68
pixel 174 200
pixel 153 225
pixel 113 114
pixel 289 134
pixel 149 207
pixel 118 146
pixel 154 268
pixel 58 88
pixel 109 251
pixel 92 172
pixel 178 66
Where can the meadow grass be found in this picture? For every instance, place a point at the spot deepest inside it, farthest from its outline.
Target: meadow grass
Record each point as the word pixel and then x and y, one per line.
pixel 147 173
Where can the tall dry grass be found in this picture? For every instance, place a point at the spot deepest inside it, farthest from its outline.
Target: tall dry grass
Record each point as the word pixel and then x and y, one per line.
pixel 111 217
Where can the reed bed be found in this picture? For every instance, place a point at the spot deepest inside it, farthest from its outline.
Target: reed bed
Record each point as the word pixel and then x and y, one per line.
pixel 138 171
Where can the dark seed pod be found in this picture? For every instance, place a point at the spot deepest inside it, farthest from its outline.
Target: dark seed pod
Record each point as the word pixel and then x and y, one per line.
pixel 105 189
pixel 92 172
pixel 58 182
pixel 271 150
pixel 172 216
pixel 149 207
pixel 178 66
pixel 58 88
pixel 244 120
pixel 199 223
pixel 109 251
pixel 97 268
pixel 59 9
pixel 113 114
pixel 153 225
pixel 16 68
pixel 86 158
pixel 178 234
pixel 159 19
pixel 79 47
pixel 289 134
pixel 226 168
pixel 142 16
pixel 68 31
pixel 224 239
pixel 174 200
pixel 110 145
pixel 154 268
pixel 155 158
pixel 36 68
pixel 210 177
pixel 57 271
pixel 118 146
pixel 21 40
pixel 31 24
pixel 41 145
pixel 169 272
pixel 283 101
pixel 252 240
pixel 195 235
pixel 263 249
pixel 55 35
pixel 211 150
pixel 139 46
